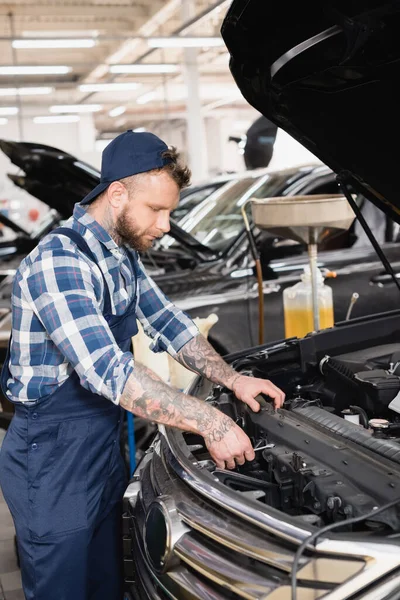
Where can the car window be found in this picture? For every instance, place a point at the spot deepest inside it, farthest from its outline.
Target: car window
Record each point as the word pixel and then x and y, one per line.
pixel 218 219
pixel 193 199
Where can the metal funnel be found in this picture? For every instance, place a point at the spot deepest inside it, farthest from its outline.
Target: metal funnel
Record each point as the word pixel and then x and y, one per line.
pixel 309 219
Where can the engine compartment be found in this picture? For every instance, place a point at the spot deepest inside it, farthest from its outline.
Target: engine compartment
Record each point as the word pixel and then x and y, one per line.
pixel 333 451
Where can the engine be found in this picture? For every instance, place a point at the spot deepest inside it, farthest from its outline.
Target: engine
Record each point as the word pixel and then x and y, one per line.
pixel 333 451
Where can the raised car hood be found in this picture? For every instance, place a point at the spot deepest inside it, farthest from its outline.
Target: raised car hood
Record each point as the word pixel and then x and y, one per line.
pixel 60 180
pixel 55 177
pixel 326 72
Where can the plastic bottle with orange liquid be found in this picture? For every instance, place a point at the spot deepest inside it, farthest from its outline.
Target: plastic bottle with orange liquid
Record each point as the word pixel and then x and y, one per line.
pixel 298 306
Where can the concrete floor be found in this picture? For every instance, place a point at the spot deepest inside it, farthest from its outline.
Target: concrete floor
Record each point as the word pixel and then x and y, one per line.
pixel 10 577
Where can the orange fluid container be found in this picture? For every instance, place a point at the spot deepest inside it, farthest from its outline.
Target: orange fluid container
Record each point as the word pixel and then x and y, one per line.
pixel 298 306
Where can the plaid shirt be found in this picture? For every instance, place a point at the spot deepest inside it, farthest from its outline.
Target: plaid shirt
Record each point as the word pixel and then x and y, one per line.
pixel 57 319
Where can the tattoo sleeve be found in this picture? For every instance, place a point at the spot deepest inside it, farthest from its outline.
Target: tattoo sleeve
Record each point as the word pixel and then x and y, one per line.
pixel 147 396
pixel 199 356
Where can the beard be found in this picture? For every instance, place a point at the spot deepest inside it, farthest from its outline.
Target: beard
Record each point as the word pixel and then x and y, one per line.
pixel 129 234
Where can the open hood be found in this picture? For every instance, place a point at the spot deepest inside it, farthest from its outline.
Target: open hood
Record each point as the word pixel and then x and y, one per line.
pixel 326 72
pixel 60 180
pixel 55 177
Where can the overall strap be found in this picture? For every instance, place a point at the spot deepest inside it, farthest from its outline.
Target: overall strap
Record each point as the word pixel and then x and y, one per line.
pixel 84 247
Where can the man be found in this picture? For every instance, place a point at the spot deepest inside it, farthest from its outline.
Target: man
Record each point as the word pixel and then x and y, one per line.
pixel 75 301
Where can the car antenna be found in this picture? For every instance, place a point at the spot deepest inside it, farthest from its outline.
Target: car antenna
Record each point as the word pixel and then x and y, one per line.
pixel 342 181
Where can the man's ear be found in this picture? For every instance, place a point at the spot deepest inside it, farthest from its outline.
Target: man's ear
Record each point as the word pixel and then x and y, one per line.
pixel 117 194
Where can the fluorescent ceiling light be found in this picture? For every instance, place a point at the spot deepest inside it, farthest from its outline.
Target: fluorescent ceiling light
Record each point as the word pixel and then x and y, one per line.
pixel 57 119
pixel 78 108
pixel 26 91
pixel 54 34
pixel 143 68
pixel 3 121
pixel 37 70
pixel 65 43
pixel 185 42
pixel 144 98
pixel 8 110
pixel 140 129
pixel 108 87
pixel 118 110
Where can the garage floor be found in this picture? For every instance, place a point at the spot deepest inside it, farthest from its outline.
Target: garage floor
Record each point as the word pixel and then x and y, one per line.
pixel 10 578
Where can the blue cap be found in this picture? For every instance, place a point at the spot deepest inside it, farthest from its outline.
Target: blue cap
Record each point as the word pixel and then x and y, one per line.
pixel 129 154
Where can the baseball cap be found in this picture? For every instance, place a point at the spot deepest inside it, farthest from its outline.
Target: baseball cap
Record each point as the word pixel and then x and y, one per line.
pixel 128 154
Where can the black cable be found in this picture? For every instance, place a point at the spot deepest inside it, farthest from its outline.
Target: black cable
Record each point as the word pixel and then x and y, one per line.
pixel 314 536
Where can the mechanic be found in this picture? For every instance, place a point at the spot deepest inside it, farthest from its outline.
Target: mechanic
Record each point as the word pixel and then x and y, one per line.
pixel 69 371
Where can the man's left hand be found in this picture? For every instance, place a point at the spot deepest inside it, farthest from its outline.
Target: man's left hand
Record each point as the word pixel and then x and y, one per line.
pixel 247 388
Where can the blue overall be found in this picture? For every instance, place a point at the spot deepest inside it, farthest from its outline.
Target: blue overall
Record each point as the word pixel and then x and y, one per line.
pixel 63 478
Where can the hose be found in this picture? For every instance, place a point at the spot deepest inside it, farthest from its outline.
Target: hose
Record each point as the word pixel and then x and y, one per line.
pixel 360 411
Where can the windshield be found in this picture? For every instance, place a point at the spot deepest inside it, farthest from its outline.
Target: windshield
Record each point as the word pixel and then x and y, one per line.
pixel 218 219
pixel 192 199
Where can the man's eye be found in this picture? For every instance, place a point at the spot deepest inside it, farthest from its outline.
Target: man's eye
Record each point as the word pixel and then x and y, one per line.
pixel 154 209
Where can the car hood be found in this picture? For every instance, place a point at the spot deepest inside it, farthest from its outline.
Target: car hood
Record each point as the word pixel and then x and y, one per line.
pixel 326 73
pixel 60 180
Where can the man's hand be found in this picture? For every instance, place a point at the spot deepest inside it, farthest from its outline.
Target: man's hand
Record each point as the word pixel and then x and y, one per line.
pixel 228 444
pixel 247 388
pixel 198 356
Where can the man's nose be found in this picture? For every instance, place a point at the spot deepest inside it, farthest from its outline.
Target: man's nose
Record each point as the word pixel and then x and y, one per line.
pixel 163 222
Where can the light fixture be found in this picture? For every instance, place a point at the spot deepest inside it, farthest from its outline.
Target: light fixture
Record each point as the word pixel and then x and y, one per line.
pixel 143 68
pixel 46 43
pixel 108 87
pixel 145 98
pixel 77 108
pixel 118 110
pixel 8 110
pixel 140 130
pixel 26 91
pixel 3 121
pixel 185 42
pixel 57 119
pixel 35 70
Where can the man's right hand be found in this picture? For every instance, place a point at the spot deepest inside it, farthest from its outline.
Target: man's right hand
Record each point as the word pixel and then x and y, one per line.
pixel 146 396
pixel 228 444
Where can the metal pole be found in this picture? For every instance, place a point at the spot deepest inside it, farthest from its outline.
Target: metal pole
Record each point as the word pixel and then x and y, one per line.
pixel 196 139
pixel 312 254
pixel 18 97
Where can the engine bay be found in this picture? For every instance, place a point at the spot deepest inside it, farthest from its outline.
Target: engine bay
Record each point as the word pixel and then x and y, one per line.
pixel 333 451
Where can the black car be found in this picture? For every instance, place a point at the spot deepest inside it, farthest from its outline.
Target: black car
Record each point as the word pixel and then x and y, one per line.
pixel 317 513
pixel 205 265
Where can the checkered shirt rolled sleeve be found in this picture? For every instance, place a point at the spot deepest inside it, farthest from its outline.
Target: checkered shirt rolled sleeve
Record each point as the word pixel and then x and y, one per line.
pixel 168 326
pixel 65 294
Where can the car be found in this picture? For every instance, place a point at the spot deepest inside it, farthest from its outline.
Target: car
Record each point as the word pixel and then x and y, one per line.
pixel 316 514
pixel 205 265
pixel 191 196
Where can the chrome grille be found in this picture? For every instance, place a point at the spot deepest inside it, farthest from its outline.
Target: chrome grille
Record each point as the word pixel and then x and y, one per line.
pixel 222 554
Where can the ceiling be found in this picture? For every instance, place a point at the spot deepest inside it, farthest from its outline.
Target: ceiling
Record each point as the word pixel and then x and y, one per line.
pixel 117 33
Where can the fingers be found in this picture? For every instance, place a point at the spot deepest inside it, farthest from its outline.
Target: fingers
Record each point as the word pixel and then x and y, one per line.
pixel 274 392
pixel 252 403
pixel 232 450
pixel 250 454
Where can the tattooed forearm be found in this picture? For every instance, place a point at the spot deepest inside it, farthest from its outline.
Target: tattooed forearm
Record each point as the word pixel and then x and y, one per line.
pixel 147 396
pixel 199 356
